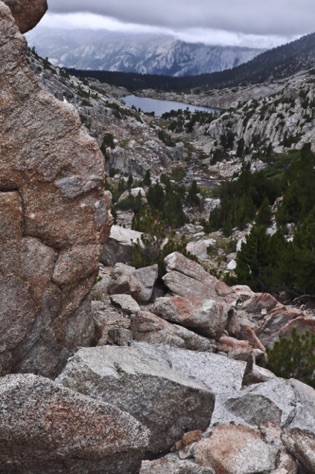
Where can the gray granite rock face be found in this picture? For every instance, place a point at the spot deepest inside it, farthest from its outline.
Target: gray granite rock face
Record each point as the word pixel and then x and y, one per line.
pixel 218 373
pixel 167 402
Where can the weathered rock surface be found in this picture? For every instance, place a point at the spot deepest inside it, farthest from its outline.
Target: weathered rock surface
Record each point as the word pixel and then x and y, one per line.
pixel 301 444
pixel 147 327
pixel 53 216
pixel 172 465
pixel 235 450
pixel 305 406
pixel 27 13
pixel 187 278
pixel 119 246
pixel 206 316
pixel 137 283
pixel 164 400
pixel 217 372
pixel 126 303
pixel 124 281
pixel 45 427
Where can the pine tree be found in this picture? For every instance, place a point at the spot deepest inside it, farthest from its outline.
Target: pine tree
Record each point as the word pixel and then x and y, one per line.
pixel 192 196
pixel 254 259
pixel 264 213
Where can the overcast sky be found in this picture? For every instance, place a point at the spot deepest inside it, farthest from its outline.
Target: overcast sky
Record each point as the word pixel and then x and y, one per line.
pixel 263 23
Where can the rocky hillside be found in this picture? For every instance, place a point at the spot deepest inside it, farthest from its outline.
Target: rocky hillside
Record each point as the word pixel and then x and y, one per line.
pixel 145 54
pixel 128 138
pixel 261 125
pixel 282 117
pixel 168 369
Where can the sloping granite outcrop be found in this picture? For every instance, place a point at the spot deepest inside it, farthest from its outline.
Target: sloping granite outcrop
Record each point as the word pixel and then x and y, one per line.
pixel 53 218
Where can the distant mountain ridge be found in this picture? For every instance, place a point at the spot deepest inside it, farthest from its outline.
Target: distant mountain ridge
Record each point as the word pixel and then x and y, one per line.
pixel 274 64
pixel 141 53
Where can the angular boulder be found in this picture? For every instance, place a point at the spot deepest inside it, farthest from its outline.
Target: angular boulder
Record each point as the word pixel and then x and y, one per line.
pixel 137 283
pixel 53 216
pixel 235 450
pixel 273 402
pixel 119 247
pixel 187 278
pixel 206 316
pixel 147 327
pixel 166 402
pixel 301 444
pixel 46 428
pixel 218 373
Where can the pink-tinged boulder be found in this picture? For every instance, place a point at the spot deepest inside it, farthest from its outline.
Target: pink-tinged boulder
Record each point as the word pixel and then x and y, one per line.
pixel 276 319
pixel 243 292
pixel 300 324
pixel 46 428
pixel 27 13
pixel 260 302
pixel 235 348
pixel 301 444
pixel 187 278
pixel 147 327
pixel 206 316
pixel 235 450
pixel 53 216
pixel 248 334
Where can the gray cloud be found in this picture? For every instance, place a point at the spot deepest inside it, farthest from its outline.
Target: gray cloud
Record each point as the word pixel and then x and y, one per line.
pixel 267 17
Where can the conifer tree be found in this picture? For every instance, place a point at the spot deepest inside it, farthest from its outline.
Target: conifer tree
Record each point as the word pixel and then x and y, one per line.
pixel 264 213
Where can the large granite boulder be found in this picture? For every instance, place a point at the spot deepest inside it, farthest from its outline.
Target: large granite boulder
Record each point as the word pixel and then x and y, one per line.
pixel 217 372
pixel 27 13
pixel 46 428
pixel 53 217
pixel 167 402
